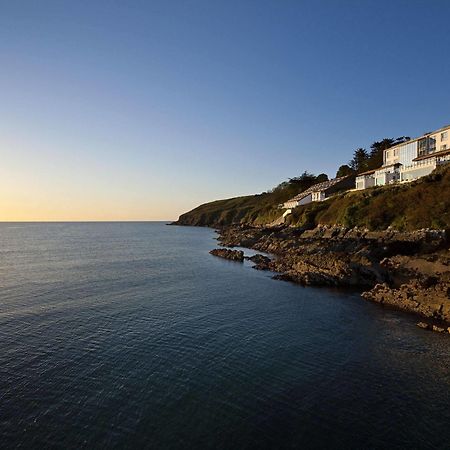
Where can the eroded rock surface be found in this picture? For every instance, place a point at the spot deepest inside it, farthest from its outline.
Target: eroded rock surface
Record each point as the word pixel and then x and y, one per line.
pixel 261 262
pixel 405 270
pixel 232 255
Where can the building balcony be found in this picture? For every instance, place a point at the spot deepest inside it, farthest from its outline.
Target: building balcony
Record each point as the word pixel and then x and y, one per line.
pixel 430 162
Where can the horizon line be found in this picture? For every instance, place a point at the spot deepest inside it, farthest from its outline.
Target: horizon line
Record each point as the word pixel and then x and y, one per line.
pixel 85 221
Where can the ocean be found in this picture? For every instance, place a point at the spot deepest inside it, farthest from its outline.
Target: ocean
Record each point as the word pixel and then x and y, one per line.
pixel 130 335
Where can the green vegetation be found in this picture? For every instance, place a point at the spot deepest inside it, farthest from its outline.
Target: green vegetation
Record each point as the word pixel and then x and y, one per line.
pixel 252 209
pixel 363 160
pixel 424 203
pixel 367 160
pixel 421 204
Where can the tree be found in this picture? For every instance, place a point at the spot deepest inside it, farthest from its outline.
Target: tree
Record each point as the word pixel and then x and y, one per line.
pixel 359 160
pixel 321 178
pixel 378 147
pixel 305 180
pixel 344 171
pixel 293 186
pixel 296 184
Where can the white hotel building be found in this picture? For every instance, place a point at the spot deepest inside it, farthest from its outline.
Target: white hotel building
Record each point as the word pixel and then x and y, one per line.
pixel 410 160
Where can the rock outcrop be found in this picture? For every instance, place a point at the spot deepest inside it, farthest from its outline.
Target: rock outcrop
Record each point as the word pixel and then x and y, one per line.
pixel 406 270
pixel 261 262
pixel 416 283
pixel 432 302
pixel 232 255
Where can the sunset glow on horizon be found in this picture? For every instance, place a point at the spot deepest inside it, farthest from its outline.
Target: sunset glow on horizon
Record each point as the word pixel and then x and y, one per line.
pixel 143 110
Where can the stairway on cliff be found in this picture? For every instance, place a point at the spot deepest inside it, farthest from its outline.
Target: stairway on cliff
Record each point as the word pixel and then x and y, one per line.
pixel 280 220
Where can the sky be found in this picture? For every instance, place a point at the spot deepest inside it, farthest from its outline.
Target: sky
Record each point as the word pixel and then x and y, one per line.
pixel 141 110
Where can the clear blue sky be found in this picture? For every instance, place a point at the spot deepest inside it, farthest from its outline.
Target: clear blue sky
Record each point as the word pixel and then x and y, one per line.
pixel 143 109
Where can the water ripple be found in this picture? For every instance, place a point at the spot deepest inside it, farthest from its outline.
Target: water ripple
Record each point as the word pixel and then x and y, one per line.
pixel 131 335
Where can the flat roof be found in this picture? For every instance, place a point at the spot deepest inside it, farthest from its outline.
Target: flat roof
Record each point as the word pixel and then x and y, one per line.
pixel 439 130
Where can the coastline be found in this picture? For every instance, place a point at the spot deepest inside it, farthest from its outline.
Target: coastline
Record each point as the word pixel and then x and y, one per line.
pixel 407 271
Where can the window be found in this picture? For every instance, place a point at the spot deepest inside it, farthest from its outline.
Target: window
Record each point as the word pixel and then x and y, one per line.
pixel 423 147
pixel 444 147
pixel 444 136
pixel 432 144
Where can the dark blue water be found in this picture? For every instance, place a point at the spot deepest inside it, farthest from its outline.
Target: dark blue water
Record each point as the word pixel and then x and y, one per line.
pixel 132 335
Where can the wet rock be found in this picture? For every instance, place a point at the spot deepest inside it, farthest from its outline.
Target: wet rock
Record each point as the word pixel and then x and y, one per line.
pixel 232 255
pixel 283 277
pixel 423 325
pixel 405 270
pixel 261 262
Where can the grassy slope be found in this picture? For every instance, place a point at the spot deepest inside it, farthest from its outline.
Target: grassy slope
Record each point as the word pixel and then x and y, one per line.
pixel 422 204
pixel 253 209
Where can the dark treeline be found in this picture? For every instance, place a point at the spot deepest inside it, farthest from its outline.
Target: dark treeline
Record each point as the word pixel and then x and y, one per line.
pixel 367 160
pixel 362 160
pixel 293 186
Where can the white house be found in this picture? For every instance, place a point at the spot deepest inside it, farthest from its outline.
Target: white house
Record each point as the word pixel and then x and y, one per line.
pixel 297 201
pixel 320 191
pixel 424 165
pixel 409 160
pixel 365 180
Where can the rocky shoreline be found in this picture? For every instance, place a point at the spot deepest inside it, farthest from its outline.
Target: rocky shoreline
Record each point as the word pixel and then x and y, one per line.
pixel 409 271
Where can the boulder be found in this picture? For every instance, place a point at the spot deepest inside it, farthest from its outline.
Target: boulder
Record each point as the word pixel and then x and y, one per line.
pixel 261 262
pixel 258 258
pixel 232 255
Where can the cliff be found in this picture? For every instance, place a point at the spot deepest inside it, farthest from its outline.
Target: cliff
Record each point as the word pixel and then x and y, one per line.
pixel 424 203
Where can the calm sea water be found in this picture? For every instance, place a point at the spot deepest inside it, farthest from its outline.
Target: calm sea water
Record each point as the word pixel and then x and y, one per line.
pixel 130 335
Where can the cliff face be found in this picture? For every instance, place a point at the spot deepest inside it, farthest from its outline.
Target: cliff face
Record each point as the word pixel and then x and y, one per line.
pixel 424 203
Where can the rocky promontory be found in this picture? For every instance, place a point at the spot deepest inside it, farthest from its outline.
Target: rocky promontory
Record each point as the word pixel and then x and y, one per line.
pixel 405 270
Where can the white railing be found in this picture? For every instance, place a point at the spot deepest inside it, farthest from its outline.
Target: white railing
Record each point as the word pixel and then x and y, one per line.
pixel 419 164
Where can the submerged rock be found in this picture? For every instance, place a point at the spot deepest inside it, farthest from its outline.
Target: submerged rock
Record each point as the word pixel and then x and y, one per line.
pixel 436 328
